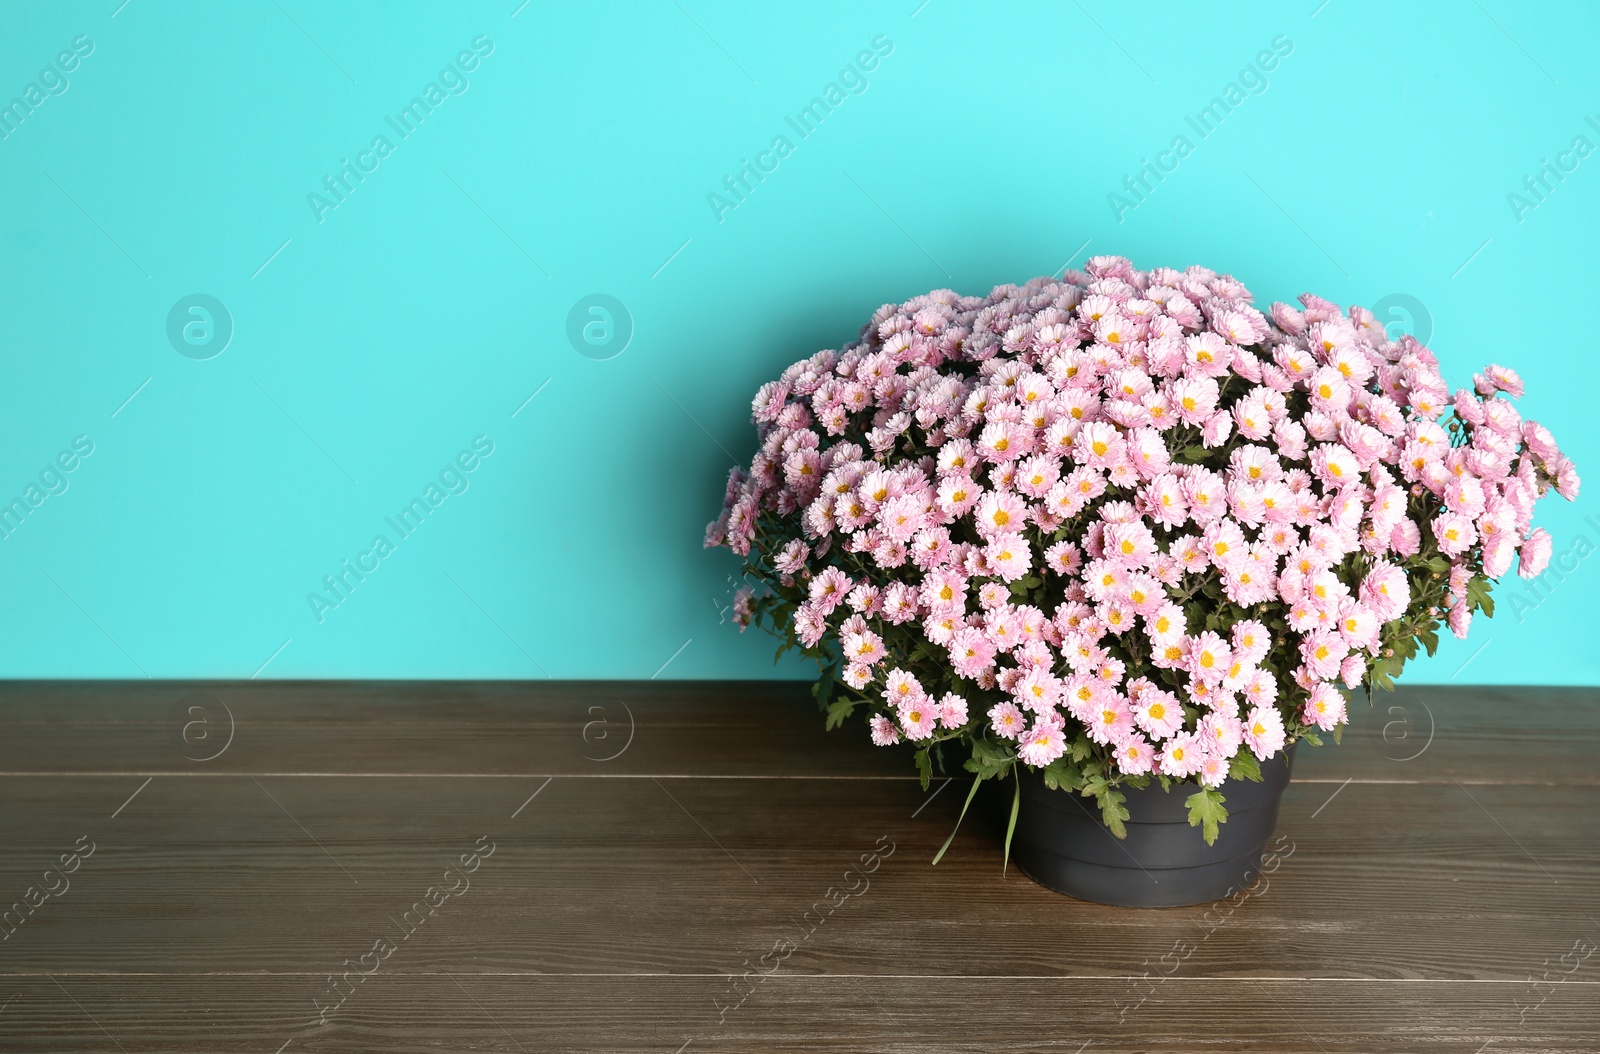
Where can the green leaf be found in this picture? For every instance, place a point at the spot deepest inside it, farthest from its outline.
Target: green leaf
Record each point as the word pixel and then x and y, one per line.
pixel 1314 739
pixel 924 767
pixel 1478 589
pixel 1206 812
pixel 988 759
pixel 1060 775
pixel 838 710
pixel 1080 748
pixel 1011 825
pixel 822 691
pixel 1243 767
pixel 1195 453
pixel 1114 811
pixel 1109 799
pixel 973 793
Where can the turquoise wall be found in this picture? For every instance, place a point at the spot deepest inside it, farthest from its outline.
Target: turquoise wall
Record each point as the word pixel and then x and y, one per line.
pixel 426 327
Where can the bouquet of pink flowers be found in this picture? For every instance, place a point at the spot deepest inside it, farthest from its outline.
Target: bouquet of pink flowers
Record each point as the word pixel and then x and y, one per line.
pixel 1123 527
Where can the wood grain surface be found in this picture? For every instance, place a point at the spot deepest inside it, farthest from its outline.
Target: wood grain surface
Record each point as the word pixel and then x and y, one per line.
pixel 652 842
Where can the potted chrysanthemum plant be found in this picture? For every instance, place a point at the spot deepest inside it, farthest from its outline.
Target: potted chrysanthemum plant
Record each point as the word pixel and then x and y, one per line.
pixel 1122 539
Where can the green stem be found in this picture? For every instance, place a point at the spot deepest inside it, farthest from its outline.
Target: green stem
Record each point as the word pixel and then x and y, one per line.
pixel 973 793
pixel 1016 805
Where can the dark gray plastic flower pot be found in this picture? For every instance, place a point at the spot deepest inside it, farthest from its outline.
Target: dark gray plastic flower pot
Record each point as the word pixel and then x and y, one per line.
pixel 1060 841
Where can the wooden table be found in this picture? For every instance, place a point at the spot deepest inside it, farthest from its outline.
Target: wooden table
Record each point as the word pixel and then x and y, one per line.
pixel 269 874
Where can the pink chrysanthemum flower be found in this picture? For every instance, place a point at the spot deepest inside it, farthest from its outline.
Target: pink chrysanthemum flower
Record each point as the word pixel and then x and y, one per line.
pixel 1250 640
pixel 1084 484
pixel 1453 532
pixel 792 558
pixel 1158 713
pixel 1182 756
pixel 999 512
pixel 1263 731
pixel 1002 441
pixel 1008 556
pixel 866 599
pixel 1144 594
pixel 864 647
pixel 1166 625
pixel 957 494
pixel 1213 770
pixel 1111 720
pixel 1334 465
pixel 901 687
pixel 1063 558
pixel 1042 744
pixel 1535 554
pixel 1164 500
pixel 1358 625
pixel 1037 474
pixel 918 718
pixel 809 625
pixel 1098 445
pixel 1499 378
pixel 1135 756
pixel 1322 653
pixel 1206 495
pixel 1117 616
pixel 1251 418
pixel 1260 688
pixel 1225 545
pixel 1189 554
pixel 857 675
pixel 828 589
pixel 1105 579
pixel 884 732
pixel 1325 708
pixel 1130 544
pixel 992 594
pixel 1209 657
pixel 1037 691
pixel 944 591
pixel 941 629
pixel 1222 734
pixel 1007 720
